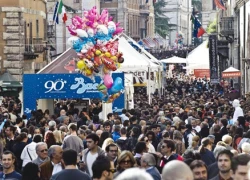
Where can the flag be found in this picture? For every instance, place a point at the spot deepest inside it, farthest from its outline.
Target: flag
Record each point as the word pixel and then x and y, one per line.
pixel 220 4
pixel 64 15
pixel 198 29
pixel 146 1
pixel 60 9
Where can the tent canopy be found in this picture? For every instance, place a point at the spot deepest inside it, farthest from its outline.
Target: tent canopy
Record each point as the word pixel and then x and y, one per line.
pixel 199 55
pixel 174 59
pixel 9 81
pixel 197 66
pixel 231 69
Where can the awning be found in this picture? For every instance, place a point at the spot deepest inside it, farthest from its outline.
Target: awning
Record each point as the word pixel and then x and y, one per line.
pixel 174 59
pixel 231 72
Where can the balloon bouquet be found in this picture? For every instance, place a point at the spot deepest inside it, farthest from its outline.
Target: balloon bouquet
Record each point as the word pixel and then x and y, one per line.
pixel 93 38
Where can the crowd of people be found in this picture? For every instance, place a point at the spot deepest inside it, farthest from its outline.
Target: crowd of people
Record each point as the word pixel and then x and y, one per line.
pixel 191 132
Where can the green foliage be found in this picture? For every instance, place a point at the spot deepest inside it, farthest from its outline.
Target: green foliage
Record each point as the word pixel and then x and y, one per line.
pixel 162 25
pixel 212 27
pixel 69 9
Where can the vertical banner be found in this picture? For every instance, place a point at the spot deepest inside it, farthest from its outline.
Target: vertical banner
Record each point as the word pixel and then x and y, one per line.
pixel 213 61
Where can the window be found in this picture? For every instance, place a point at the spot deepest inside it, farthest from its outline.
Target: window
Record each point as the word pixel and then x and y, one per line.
pixel 37 28
pixel 214 6
pixel 76 1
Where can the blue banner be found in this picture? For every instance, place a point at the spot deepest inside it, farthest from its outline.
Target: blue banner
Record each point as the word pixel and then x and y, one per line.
pixel 63 86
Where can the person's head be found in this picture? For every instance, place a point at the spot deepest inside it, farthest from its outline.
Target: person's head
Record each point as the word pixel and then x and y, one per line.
pixel 19 121
pixel 22 137
pixel 227 139
pixel 37 138
pixel 141 147
pixel 134 174
pixel 125 160
pixel 110 116
pixel 107 126
pixel 55 153
pixel 10 131
pixel 193 123
pixel 42 150
pixel 103 168
pixel 170 172
pixel 112 151
pixel 37 131
pixel 123 131
pixel 239 166
pixel 218 149
pixel 8 160
pixel 58 136
pixel 92 141
pixel 69 157
pixel 148 160
pixel 99 133
pixel 117 128
pixel 31 171
pixel 72 128
pixel 245 148
pixel 167 146
pixel 199 169
pixel 224 160
pixel 223 123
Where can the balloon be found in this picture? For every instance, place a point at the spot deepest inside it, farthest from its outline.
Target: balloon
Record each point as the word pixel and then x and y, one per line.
pixel 80 64
pixel 121 60
pixel 113 97
pixel 81 33
pixel 108 81
pixel 109 64
pixel 71 40
pixel 117 85
pixel 72 29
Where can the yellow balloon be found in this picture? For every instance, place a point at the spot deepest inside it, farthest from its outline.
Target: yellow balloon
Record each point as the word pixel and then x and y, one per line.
pixel 98 52
pixel 118 65
pixel 80 64
pixel 114 58
pixel 107 54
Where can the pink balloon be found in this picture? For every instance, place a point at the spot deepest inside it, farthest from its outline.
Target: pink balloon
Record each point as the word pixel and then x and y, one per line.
pixel 108 81
pixel 72 30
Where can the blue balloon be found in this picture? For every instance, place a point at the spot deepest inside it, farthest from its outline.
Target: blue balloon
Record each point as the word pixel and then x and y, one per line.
pixel 117 85
pixel 77 46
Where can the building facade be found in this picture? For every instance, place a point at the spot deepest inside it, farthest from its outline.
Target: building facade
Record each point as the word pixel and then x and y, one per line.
pixel 23 36
pixel 135 16
pixel 179 12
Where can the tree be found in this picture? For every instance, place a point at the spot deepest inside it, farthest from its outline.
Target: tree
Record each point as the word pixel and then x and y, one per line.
pixel 162 25
pixel 212 27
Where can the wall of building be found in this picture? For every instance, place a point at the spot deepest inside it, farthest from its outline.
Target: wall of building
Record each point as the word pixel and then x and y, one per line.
pixel 13 15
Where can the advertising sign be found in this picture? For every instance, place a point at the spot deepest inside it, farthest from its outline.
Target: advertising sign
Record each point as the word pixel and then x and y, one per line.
pixel 63 86
pixel 201 73
pixel 214 74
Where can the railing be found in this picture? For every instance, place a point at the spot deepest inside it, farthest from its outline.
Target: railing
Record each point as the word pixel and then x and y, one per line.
pixel 144 9
pixel 227 26
pixel 38 45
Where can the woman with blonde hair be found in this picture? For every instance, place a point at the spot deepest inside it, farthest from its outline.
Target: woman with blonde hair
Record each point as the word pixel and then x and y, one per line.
pixel 107 142
pixel 58 137
pixel 125 161
pixel 195 142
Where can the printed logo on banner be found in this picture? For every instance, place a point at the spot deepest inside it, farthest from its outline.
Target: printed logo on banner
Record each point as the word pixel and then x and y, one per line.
pixel 55 86
pixel 115 109
pixel 83 87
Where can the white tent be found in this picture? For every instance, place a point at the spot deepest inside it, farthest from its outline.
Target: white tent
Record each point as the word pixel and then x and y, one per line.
pixel 197 66
pixel 231 69
pixel 133 60
pixel 174 59
pixel 199 55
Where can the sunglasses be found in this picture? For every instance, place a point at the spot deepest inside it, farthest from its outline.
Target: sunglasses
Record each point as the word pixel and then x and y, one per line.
pixel 112 170
pixel 126 162
pixel 44 150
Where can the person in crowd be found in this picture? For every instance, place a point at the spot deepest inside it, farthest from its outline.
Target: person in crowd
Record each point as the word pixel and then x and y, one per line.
pixel 19 124
pixel 245 148
pixel 58 137
pixel 107 126
pixel 29 152
pixel 50 139
pixel 206 153
pixel 148 162
pixel 134 173
pixel 112 152
pixel 239 167
pixel 122 142
pixel 223 125
pixel 199 169
pixel 187 135
pixel 21 142
pixel 31 171
pixel 103 168
pixel 10 137
pixel 116 134
pixel 123 115
pixel 150 147
pixel 8 160
pixel 90 154
pixel 170 172
pixel 70 171
pixel 111 118
pixel 228 141
pixel 42 153
pixel 224 161
pixel 140 148
pixel 125 161
pixel 72 141
pixel 54 165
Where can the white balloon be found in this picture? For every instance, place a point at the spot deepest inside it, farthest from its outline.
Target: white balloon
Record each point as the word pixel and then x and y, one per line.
pixel 71 40
pixel 81 33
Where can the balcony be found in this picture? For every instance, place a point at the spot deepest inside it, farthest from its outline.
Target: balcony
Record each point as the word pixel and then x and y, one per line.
pixel 38 45
pixel 227 26
pixel 144 10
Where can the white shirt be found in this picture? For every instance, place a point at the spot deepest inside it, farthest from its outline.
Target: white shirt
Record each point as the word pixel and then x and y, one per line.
pixel 90 160
pixel 197 128
pixel 28 157
pixel 57 168
pixel 18 129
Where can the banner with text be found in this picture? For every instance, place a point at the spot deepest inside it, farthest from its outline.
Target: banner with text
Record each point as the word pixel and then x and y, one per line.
pixel 213 61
